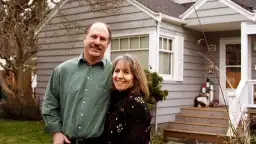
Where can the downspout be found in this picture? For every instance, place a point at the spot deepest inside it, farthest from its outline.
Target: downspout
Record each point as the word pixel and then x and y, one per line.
pixel 157 59
pixel 254 11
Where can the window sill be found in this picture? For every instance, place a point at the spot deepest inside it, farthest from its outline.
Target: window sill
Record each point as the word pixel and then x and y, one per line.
pixel 169 79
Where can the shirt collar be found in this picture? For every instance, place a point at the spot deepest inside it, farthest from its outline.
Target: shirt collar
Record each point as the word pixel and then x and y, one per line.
pixel 81 59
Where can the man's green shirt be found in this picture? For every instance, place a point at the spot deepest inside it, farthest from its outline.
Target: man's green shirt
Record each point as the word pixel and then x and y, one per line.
pixel 77 98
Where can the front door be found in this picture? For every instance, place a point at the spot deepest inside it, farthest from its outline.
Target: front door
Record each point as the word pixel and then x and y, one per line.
pixel 230 67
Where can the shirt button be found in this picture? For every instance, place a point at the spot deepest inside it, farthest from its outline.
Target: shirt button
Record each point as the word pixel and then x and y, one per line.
pixel 88 78
pixel 85 89
pixel 79 127
pixel 84 102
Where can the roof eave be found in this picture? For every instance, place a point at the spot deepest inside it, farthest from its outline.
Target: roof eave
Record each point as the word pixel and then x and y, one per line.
pixel 229 3
pixel 173 20
pixel 50 15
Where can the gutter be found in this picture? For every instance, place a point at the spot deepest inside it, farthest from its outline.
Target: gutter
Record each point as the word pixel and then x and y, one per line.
pixel 254 11
pixel 159 17
pixel 173 19
pixel 159 20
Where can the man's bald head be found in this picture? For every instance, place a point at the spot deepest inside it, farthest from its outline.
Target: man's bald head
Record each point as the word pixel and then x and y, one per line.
pixel 99 24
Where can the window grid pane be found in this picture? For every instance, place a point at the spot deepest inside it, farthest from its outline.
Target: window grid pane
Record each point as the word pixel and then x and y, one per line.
pixel 165 60
pixel 134 43
pixel 169 45
pixel 165 43
pixel 144 42
pixel 115 44
pixel 124 43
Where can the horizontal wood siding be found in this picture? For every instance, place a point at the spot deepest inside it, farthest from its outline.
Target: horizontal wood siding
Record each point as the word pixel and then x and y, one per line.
pixel 182 94
pixel 214 39
pixel 214 11
pixel 62 38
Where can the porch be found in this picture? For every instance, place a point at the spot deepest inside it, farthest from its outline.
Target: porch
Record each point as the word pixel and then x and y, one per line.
pixel 234 53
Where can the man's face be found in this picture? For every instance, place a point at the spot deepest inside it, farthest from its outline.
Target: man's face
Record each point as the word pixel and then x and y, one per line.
pixel 96 41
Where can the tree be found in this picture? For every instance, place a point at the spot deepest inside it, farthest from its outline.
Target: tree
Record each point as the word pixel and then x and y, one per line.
pixel 18 41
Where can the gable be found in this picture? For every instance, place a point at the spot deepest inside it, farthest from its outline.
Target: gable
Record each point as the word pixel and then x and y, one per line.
pixel 74 15
pixel 226 10
pixel 73 10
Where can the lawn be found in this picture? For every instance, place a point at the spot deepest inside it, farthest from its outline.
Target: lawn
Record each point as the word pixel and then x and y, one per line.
pixel 31 132
pixel 23 132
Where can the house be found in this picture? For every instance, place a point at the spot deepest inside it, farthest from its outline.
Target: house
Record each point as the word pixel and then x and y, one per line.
pixel 168 37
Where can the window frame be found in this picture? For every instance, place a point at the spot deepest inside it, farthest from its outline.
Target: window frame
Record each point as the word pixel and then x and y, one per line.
pixel 164 36
pixel 129 43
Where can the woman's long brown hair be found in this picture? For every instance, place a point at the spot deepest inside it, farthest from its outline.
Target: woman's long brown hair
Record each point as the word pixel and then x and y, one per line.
pixel 140 84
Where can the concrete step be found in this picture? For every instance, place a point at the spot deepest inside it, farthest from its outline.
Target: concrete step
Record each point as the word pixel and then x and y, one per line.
pixel 202 119
pixel 184 134
pixel 198 127
pixel 205 112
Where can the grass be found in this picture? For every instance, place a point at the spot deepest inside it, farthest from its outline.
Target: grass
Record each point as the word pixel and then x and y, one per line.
pixel 23 132
pixel 31 132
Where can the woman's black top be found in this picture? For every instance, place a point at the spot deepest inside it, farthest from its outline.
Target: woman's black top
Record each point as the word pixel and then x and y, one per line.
pixel 128 119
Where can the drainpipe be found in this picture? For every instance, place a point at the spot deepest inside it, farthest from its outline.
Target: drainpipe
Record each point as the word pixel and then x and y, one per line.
pixel 157 59
pixel 254 11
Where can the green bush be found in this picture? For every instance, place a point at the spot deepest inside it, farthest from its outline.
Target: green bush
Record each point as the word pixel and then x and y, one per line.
pixel 155 88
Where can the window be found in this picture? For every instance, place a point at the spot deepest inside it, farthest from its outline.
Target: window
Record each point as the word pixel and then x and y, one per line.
pixel 170 60
pixel 129 43
pixel 136 46
pixel 165 56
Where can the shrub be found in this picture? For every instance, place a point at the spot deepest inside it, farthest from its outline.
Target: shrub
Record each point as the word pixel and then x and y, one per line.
pixel 21 107
pixel 155 88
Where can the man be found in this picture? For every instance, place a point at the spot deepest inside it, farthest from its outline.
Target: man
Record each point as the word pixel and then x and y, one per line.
pixel 78 92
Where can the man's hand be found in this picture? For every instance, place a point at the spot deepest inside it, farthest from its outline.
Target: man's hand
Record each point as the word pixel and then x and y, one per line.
pixel 59 138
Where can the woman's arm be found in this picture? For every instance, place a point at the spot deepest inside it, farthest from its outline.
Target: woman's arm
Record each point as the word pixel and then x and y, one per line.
pixel 138 117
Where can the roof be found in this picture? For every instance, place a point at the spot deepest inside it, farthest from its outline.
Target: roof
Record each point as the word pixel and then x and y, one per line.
pixel 244 7
pixel 249 5
pixel 164 6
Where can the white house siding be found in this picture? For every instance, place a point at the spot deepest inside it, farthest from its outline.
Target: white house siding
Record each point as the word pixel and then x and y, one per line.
pixel 214 39
pixel 182 94
pixel 62 38
pixel 254 57
pixel 214 11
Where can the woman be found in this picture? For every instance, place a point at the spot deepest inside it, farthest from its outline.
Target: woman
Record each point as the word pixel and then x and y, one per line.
pixel 128 119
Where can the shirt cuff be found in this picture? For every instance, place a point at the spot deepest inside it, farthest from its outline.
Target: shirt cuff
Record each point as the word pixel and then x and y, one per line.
pixel 53 128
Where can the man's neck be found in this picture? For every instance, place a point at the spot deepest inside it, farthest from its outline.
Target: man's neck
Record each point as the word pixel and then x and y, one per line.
pixel 92 60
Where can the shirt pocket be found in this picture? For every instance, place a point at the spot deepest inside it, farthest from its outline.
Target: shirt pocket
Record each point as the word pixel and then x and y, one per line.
pixel 102 95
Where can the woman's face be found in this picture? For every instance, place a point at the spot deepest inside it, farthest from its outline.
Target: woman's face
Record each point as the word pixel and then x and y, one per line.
pixel 122 76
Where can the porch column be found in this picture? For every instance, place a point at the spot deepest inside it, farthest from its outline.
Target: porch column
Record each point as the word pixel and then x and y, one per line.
pixel 244 52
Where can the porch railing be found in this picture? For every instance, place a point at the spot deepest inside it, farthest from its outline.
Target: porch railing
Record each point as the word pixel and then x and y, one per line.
pixel 244 97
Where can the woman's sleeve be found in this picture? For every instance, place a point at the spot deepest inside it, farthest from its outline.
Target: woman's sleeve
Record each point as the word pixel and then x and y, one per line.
pixel 138 117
